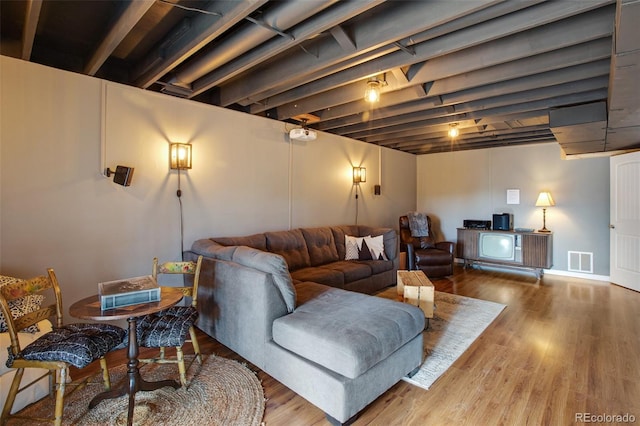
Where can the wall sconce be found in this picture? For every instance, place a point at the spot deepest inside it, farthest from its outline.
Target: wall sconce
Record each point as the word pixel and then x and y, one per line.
pixel 453 130
pixel 180 156
pixel 359 175
pixel 372 94
pixel 544 200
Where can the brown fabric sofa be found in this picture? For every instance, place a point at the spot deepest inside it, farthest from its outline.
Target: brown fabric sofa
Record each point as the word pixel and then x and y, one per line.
pixel 318 255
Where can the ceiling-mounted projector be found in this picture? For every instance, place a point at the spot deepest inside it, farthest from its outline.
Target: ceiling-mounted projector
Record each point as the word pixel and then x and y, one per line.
pixel 303 134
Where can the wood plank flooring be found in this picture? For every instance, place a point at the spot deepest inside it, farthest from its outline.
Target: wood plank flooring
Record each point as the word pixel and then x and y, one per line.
pixel 562 346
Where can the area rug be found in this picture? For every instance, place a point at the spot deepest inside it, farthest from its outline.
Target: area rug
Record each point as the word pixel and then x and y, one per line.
pixel 458 321
pixel 222 392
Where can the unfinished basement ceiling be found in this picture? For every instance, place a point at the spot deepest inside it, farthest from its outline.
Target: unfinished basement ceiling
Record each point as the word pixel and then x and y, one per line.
pixel 503 72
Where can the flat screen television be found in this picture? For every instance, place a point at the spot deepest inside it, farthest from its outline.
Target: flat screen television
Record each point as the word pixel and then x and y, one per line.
pixel 499 246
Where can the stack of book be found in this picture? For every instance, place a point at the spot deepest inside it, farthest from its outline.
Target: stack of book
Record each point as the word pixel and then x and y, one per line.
pixel 127 292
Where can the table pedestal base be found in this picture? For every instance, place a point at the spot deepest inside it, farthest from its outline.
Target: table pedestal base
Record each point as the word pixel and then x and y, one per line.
pixel 136 382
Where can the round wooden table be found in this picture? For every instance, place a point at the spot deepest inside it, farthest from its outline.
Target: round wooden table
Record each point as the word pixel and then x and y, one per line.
pixel 89 309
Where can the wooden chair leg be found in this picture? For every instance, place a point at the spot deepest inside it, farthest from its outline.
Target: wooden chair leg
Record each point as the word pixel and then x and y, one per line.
pixel 11 396
pixel 60 396
pixel 181 368
pixel 105 374
pixel 162 352
pixel 194 343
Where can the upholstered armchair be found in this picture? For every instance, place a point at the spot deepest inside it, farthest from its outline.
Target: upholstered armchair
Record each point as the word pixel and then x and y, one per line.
pixel 435 259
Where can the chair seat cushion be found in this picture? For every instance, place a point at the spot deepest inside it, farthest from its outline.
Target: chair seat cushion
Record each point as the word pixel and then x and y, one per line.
pixel 166 328
pixel 76 344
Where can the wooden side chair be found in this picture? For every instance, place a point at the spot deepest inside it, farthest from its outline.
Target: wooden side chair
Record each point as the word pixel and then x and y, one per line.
pixel 176 325
pixel 72 344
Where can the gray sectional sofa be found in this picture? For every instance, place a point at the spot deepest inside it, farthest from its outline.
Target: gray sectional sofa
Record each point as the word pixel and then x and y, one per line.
pixel 291 305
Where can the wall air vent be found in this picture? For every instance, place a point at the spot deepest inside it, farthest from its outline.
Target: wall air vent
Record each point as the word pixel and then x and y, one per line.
pixel 580 261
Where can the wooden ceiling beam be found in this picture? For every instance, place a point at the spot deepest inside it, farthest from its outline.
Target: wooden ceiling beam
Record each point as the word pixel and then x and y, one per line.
pixel 203 29
pixel 32 16
pixel 133 12
pixel 488 43
pixel 368 35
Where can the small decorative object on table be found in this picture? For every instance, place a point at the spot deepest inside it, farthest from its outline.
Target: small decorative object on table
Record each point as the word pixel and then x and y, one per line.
pixel 127 292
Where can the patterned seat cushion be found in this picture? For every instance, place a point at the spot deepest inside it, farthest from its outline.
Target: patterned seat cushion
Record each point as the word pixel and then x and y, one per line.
pixel 76 344
pixel 166 328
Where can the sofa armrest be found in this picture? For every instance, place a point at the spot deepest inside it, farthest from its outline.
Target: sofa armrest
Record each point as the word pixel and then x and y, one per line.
pixel 445 245
pixel 237 306
pixel 411 258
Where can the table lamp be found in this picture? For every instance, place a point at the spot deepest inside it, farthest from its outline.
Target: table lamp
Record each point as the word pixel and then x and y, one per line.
pixel 544 200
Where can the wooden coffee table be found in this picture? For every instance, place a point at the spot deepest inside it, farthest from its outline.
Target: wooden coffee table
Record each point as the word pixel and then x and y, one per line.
pixel 416 289
pixel 89 308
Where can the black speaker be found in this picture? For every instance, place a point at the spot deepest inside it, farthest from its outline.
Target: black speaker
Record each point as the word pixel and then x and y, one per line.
pixel 502 222
pixel 122 175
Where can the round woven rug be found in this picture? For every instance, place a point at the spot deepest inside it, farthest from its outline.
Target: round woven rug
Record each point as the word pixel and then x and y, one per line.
pixel 221 392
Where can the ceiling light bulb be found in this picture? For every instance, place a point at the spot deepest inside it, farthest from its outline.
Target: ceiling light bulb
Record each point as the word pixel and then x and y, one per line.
pixel 372 94
pixel 453 131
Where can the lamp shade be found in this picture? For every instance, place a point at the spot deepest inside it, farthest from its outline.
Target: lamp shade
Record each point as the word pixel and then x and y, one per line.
pixel 372 94
pixel 545 200
pixel 359 174
pixel 180 156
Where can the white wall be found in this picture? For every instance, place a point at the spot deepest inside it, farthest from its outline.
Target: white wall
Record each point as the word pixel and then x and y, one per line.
pixel 472 185
pixel 60 129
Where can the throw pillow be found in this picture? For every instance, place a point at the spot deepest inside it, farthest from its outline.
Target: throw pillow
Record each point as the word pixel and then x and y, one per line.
pixel 365 252
pixel 352 246
pixel 20 306
pixel 364 248
pixel 376 247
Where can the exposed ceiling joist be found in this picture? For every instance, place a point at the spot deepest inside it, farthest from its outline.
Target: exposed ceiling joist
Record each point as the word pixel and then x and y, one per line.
pixel 495 68
pixel 339 13
pixel 336 90
pixel 131 15
pixel 31 18
pixel 203 29
pixel 368 36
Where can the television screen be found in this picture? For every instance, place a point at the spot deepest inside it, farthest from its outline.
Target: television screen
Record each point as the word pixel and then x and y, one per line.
pixel 497 246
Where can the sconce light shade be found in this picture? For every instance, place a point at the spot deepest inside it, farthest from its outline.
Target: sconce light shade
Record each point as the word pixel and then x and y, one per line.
pixel 372 94
pixel 180 156
pixel 359 175
pixel 545 200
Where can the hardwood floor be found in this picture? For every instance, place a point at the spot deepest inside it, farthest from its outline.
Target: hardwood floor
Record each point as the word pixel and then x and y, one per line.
pixel 562 347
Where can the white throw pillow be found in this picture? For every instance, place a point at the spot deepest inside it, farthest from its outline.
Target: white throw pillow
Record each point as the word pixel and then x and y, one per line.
pixel 376 246
pixel 352 246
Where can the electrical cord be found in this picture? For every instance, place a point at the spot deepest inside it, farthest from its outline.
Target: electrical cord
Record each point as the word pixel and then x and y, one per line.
pixel 357 186
pixel 179 194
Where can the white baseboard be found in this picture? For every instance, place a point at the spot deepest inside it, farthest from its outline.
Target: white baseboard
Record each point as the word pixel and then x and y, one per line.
pixel 578 275
pixel 605 278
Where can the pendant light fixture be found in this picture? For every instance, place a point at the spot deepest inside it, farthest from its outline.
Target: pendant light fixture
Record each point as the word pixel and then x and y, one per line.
pixel 453 130
pixel 372 94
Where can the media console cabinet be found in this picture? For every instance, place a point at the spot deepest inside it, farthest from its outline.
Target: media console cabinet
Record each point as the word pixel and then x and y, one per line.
pixel 536 249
